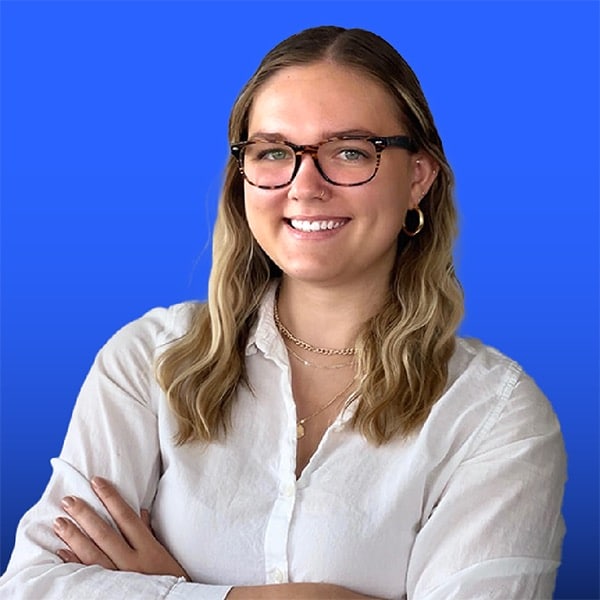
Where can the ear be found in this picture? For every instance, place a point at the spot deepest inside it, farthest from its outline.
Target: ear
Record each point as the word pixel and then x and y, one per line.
pixel 424 172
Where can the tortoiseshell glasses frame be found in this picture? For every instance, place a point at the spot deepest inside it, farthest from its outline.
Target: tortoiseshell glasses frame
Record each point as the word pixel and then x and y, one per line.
pixel 379 144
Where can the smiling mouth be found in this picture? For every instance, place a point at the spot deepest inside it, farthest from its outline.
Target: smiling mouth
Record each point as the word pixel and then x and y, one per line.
pixel 323 225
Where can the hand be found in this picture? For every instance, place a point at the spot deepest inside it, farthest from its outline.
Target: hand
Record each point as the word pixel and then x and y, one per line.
pixel 95 542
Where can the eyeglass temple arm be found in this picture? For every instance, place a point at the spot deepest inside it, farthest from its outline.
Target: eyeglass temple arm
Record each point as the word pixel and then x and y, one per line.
pixel 400 141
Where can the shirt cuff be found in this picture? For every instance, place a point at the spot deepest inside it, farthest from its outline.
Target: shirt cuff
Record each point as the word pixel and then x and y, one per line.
pixel 184 590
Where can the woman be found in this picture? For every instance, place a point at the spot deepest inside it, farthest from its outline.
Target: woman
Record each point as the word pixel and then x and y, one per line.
pixel 316 430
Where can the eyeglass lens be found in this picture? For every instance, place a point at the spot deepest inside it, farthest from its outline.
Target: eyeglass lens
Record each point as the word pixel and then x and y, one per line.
pixel 345 162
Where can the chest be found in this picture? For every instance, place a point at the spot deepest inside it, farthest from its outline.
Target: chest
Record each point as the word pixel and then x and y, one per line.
pixel 318 396
pixel 243 518
pixel 236 512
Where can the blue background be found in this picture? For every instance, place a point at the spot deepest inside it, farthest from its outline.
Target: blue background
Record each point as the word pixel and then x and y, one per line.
pixel 113 142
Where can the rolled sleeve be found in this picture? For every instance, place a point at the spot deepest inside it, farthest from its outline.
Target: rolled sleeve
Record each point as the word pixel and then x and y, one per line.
pixel 497 530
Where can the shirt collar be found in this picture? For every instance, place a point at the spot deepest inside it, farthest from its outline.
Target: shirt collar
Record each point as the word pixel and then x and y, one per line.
pixel 264 336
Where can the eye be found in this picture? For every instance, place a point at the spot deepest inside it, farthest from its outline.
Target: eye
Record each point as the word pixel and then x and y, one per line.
pixel 273 154
pixel 269 152
pixel 352 154
pixel 347 151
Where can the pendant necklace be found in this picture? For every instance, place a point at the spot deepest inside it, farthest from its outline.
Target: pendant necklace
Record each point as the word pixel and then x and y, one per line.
pixel 300 431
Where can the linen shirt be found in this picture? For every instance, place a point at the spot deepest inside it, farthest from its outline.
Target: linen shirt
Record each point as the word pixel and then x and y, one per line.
pixel 468 507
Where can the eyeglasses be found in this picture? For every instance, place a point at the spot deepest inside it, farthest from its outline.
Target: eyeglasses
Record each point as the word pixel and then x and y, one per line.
pixel 346 161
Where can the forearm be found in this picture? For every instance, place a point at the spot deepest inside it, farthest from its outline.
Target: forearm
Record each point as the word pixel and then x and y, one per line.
pixel 296 591
pixel 73 582
pixel 35 571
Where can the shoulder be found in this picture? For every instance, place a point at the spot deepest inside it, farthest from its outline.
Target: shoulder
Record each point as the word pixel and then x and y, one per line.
pixel 495 467
pixel 490 399
pixel 486 374
pixel 473 358
pixel 152 332
pixel 124 368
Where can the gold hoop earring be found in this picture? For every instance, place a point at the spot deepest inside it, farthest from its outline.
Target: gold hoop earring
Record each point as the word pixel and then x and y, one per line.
pixel 420 225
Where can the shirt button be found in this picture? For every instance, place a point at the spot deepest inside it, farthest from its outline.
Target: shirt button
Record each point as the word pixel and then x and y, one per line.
pixel 277 576
pixel 288 490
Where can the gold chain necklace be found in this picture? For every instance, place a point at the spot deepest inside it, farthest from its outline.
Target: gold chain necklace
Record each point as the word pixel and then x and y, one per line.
pixel 300 423
pixel 305 345
pixel 308 363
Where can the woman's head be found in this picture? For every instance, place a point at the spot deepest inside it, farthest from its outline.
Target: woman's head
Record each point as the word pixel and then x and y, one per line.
pixel 404 349
pixel 372 58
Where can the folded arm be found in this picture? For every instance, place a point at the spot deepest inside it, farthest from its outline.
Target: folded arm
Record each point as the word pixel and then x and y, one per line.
pixel 132 547
pixel 113 433
pixel 496 530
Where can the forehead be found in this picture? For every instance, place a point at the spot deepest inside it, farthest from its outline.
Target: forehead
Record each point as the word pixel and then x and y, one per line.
pixel 308 103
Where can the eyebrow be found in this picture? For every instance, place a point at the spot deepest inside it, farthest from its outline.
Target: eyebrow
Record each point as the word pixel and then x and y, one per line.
pixel 278 137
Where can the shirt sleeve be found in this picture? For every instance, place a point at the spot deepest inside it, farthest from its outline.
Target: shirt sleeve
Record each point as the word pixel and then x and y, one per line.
pixel 496 530
pixel 113 433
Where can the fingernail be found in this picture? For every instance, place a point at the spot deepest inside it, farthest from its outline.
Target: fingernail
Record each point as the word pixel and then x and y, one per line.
pixel 62 555
pixel 98 483
pixel 67 502
pixel 59 524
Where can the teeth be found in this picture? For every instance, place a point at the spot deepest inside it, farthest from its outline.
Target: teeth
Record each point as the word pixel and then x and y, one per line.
pixel 315 225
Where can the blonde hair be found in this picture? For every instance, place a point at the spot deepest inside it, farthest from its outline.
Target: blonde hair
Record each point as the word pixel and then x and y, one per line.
pixel 403 351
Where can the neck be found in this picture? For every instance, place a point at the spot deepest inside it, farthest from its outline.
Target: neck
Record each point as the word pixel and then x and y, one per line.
pixel 328 317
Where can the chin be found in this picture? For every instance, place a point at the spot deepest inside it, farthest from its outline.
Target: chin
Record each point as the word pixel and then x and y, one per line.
pixel 314 275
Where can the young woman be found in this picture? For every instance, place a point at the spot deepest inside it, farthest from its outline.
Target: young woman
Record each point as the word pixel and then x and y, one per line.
pixel 316 429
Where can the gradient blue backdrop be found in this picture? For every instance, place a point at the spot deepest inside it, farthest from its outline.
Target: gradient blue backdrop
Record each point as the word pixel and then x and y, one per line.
pixel 113 142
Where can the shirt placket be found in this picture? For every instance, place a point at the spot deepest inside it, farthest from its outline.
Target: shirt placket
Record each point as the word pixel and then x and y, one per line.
pixel 279 523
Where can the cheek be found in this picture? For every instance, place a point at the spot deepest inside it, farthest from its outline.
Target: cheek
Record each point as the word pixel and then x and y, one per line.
pixel 252 207
pixel 263 211
pixel 391 208
pixel 254 223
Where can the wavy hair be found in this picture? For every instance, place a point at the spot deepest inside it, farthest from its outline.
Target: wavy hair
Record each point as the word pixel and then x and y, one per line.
pixel 403 351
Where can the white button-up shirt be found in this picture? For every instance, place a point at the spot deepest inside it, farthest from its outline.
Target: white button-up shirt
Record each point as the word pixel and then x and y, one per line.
pixel 468 507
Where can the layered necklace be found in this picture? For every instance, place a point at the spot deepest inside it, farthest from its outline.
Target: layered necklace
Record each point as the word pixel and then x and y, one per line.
pixel 308 363
pixel 286 333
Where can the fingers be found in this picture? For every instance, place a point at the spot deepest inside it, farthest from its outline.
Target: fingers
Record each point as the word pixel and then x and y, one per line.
pixel 145 516
pixel 68 556
pixel 93 540
pixel 94 535
pixel 133 527
pixel 81 548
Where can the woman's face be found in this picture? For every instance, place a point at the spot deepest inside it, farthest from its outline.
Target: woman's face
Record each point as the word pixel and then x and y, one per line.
pixel 308 104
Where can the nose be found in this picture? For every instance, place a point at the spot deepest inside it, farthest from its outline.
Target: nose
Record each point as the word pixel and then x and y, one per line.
pixel 308 183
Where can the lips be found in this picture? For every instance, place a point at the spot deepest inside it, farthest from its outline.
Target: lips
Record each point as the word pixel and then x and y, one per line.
pixel 308 225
